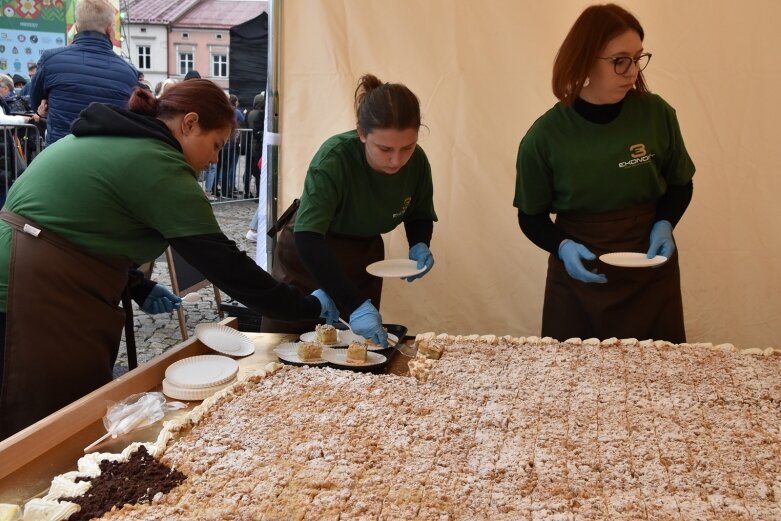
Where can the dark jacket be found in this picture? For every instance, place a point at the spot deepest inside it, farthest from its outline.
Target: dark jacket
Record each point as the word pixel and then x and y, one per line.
pixel 72 77
pixel 258 111
pixel 255 120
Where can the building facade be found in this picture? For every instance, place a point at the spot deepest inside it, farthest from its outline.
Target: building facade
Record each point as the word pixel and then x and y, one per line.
pixel 203 50
pixel 165 39
pixel 146 47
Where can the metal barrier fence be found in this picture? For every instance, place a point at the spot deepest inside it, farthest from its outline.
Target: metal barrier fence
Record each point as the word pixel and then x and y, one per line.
pixel 20 144
pixel 235 177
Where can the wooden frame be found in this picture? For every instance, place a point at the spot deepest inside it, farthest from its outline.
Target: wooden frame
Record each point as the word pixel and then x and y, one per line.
pixel 30 454
pixel 169 257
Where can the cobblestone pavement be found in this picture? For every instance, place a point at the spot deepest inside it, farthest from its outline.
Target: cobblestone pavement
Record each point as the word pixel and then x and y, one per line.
pixel 157 333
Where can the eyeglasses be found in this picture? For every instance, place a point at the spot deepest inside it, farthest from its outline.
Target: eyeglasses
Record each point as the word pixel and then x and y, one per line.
pixel 621 64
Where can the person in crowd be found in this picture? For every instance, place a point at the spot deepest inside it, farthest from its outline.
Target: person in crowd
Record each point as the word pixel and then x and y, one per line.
pixel 609 160
pixel 360 184
pixel 6 91
pixel 164 85
pixel 192 75
pixel 88 70
pixel 229 157
pixel 142 82
pixel 12 163
pixel 19 83
pixel 31 70
pixel 36 119
pixel 255 121
pixel 76 226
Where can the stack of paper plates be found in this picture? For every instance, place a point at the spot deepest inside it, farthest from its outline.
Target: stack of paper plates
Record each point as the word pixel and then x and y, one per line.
pixel 198 377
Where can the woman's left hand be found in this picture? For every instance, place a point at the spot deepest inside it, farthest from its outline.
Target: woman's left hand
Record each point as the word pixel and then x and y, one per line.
pixel 422 255
pixel 661 241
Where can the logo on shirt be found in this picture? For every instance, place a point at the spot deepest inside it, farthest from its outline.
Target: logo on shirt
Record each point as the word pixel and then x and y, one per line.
pixel 639 156
pixel 404 206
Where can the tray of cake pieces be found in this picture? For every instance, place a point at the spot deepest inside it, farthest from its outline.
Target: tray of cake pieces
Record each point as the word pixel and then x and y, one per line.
pixel 339 347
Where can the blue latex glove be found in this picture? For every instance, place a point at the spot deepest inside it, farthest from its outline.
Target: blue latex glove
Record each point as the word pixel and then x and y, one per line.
pixel 160 300
pixel 424 258
pixel 327 307
pixel 572 254
pixel 367 322
pixel 661 241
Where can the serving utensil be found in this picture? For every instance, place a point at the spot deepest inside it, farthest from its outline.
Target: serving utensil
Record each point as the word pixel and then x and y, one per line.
pixel 191 298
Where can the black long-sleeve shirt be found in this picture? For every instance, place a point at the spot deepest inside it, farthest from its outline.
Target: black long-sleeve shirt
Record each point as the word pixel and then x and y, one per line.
pixel 544 233
pixel 230 269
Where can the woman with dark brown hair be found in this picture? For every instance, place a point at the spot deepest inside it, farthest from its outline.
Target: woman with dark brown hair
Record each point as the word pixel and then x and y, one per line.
pixel 360 184
pixel 113 195
pixel 610 162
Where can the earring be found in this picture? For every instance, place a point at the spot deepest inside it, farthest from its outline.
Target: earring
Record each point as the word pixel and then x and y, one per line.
pixel 588 80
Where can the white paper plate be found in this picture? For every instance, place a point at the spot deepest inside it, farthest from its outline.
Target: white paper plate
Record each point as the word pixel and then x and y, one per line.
pixel 182 393
pixel 345 337
pixel 198 372
pixel 224 339
pixel 339 357
pixel 630 259
pixel 394 268
pixel 288 352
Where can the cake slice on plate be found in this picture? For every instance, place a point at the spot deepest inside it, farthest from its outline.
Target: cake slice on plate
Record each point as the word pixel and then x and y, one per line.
pixel 356 353
pixel 325 334
pixel 309 351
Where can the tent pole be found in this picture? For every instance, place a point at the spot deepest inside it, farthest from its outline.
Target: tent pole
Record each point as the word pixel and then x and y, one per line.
pixel 271 140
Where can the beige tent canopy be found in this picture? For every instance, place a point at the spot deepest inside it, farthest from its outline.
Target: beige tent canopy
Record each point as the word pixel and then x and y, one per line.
pixel 482 72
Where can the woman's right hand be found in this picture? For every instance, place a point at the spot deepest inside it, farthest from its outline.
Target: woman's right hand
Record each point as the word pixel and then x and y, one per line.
pixel 367 322
pixel 572 255
pixel 328 309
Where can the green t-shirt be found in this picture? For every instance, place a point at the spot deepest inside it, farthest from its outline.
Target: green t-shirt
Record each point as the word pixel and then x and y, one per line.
pixel 568 164
pixel 343 195
pixel 111 196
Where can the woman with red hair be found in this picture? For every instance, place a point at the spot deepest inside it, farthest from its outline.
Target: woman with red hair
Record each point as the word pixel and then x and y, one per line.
pixel 114 194
pixel 610 162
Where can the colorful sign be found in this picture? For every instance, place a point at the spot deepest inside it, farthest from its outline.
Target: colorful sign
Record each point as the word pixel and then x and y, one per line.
pixel 27 29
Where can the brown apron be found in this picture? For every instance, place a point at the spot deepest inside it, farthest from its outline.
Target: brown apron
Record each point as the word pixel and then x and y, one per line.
pixel 353 254
pixel 63 324
pixel 638 303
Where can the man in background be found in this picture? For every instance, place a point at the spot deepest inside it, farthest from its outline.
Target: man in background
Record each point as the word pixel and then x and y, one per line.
pixel 72 77
pixel 31 70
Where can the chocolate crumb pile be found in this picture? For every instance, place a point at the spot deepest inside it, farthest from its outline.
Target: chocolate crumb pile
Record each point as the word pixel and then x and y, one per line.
pixel 136 481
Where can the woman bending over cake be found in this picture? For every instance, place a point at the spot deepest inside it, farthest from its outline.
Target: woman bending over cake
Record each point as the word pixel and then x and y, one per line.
pixel 113 195
pixel 360 184
pixel 608 159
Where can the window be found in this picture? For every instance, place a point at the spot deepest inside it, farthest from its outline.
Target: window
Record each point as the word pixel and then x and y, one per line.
pixel 219 66
pixel 219 36
pixel 185 35
pixel 186 62
pixel 144 57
